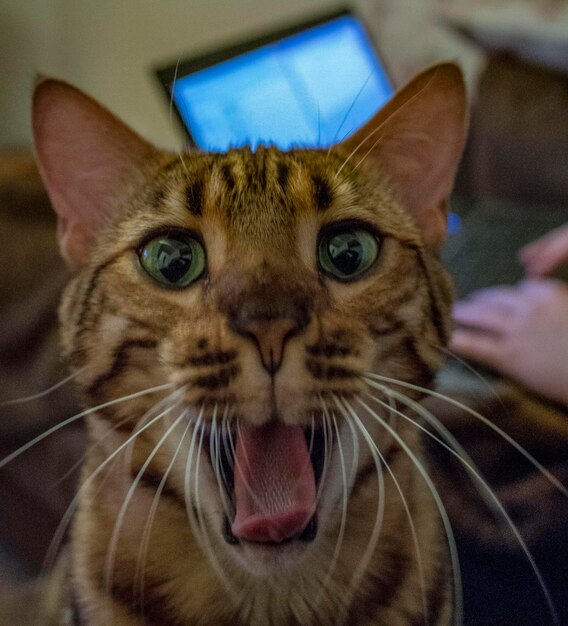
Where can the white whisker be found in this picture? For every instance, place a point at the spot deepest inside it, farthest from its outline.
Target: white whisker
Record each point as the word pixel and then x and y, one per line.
pixel 171 105
pixel 193 514
pixel 95 445
pixel 59 533
pixel 357 96
pixel 398 111
pixel 477 374
pixel 312 435
pixel 349 413
pixel 228 443
pixel 187 477
pixel 319 126
pixel 343 521
pixel 356 149
pixel 78 416
pixel 488 494
pixel 553 480
pixel 327 451
pixel 45 392
pixel 111 552
pixel 217 464
pixel 205 535
pixel 404 502
pixel 127 463
pixel 458 603
pixel 141 561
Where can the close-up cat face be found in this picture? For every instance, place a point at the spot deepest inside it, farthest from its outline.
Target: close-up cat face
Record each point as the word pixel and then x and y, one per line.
pixel 227 316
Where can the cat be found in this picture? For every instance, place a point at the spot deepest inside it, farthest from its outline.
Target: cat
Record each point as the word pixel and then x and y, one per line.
pixel 232 325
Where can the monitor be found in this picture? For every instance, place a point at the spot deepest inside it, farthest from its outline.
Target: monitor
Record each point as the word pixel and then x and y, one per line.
pixel 310 85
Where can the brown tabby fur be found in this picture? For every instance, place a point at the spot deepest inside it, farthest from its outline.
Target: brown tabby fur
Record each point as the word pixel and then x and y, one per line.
pixel 259 214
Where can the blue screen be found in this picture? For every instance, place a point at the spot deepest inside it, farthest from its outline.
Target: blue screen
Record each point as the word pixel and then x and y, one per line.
pixel 310 89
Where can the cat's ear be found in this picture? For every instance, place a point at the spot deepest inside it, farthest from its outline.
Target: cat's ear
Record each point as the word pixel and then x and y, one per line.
pixel 416 140
pixel 88 159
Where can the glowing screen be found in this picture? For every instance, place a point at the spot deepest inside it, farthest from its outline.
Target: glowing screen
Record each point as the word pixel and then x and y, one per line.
pixel 309 89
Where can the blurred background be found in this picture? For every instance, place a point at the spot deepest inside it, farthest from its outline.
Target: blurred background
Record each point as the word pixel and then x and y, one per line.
pixel 512 187
pixel 110 49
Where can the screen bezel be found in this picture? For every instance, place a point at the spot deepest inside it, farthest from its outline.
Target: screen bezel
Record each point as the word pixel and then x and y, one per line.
pixel 167 75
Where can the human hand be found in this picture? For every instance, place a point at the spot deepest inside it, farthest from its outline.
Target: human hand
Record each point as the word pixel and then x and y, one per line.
pixel 545 254
pixel 521 332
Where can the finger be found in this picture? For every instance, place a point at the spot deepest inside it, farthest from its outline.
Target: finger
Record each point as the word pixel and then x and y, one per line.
pixel 543 265
pixel 482 316
pixel 545 255
pixel 505 297
pixel 539 287
pixel 558 235
pixel 476 346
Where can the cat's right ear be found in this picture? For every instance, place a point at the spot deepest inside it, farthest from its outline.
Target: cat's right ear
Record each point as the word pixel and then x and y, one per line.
pixel 88 159
pixel 416 142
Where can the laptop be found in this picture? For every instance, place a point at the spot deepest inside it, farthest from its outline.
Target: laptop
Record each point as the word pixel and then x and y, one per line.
pixel 308 85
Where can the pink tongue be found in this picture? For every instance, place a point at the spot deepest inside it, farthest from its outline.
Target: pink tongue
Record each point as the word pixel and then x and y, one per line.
pixel 275 488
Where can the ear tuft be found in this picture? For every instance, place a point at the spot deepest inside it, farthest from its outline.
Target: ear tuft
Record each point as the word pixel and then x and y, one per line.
pixel 416 141
pixel 88 159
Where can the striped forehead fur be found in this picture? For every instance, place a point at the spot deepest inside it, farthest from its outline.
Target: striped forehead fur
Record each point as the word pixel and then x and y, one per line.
pixel 251 186
pixel 269 181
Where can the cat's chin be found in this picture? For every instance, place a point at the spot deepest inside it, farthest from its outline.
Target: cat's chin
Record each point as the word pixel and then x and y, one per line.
pixel 307 535
pixel 262 559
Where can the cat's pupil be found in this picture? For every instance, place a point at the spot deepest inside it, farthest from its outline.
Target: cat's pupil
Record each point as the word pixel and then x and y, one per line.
pixel 345 252
pixel 174 259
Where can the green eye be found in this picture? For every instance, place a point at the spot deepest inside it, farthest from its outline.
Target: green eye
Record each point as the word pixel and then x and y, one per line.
pixel 345 254
pixel 175 260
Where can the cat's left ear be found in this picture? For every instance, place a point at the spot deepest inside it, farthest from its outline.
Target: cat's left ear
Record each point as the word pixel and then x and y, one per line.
pixel 89 161
pixel 416 142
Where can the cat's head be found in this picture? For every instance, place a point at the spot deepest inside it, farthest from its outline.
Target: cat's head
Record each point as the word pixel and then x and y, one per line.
pixel 264 287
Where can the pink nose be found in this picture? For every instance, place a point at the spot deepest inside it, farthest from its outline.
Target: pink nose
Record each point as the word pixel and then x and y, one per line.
pixel 271 337
pixel 269 311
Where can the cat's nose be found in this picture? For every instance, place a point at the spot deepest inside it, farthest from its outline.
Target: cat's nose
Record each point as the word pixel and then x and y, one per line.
pixel 270 315
pixel 270 336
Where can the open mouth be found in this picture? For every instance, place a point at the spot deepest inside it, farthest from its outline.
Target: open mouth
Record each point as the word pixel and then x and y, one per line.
pixel 270 475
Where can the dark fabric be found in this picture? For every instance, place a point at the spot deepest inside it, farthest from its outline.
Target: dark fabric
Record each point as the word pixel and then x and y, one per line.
pixel 34 487
pixel 500 587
